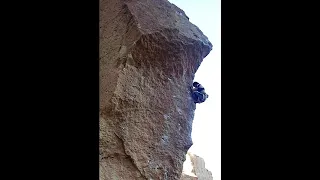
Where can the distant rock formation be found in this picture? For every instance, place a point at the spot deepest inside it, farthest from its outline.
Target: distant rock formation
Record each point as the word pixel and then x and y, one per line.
pixel 194 169
pixel 149 53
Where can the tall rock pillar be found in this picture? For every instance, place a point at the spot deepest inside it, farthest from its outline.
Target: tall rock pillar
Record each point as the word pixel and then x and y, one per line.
pixel 149 53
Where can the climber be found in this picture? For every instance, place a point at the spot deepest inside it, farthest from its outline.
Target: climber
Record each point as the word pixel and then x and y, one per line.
pixel 198 93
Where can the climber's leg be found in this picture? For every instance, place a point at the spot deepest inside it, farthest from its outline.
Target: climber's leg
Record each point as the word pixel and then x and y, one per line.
pixel 195 96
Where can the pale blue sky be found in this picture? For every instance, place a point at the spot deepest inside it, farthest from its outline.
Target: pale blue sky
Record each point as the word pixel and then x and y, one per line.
pixel 206 131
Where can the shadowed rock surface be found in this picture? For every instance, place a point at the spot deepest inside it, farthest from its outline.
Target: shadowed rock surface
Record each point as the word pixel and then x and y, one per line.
pixel 149 53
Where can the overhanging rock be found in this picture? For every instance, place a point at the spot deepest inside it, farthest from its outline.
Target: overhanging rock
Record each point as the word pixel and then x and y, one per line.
pixel 149 53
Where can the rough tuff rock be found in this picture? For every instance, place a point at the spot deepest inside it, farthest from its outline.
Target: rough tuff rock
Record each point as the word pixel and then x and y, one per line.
pixel 194 169
pixel 149 53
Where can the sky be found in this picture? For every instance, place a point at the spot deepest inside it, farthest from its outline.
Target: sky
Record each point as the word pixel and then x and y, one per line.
pixel 206 130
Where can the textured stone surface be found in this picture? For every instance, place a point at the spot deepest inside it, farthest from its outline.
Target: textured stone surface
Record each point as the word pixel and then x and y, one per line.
pixel 149 53
pixel 194 169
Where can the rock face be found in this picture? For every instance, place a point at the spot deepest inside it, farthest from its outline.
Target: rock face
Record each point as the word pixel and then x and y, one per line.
pixel 149 53
pixel 194 169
